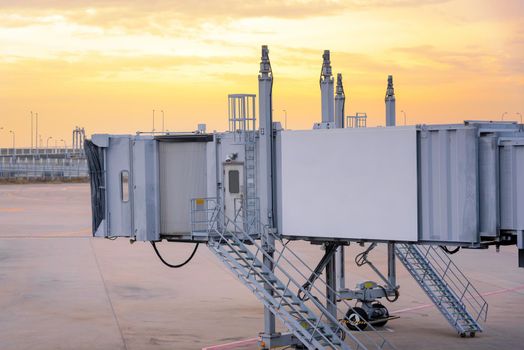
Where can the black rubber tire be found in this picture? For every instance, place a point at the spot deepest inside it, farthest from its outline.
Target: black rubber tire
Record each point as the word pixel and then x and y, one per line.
pixel 354 319
pixel 381 323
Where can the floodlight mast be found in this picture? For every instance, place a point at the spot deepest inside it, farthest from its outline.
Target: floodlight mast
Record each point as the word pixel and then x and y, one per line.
pixel 390 103
pixel 391 121
pixel 266 168
pixel 339 258
pixel 327 89
pixel 340 100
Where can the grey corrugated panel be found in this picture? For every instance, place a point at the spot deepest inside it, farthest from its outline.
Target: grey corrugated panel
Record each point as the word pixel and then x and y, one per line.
pixel 488 185
pixel 182 173
pixel 146 213
pixel 448 184
pixel 512 184
pixel 118 159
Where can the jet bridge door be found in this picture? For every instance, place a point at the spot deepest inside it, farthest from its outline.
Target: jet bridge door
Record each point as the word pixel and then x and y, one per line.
pixel 233 194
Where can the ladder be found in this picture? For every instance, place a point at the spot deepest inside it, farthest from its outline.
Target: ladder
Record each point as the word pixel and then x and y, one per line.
pixel 447 287
pixel 250 204
pixel 279 289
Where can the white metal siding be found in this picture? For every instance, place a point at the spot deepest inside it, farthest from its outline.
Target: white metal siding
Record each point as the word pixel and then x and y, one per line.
pixel 349 183
pixel 183 168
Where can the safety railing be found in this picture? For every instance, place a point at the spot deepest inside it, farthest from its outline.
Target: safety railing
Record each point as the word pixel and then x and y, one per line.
pixel 313 294
pixel 450 273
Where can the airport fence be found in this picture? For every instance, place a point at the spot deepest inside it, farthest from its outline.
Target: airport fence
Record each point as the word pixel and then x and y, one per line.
pixel 52 168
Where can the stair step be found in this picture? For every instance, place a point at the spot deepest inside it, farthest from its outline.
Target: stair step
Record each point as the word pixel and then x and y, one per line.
pixel 298 312
pixel 430 277
pixel 247 257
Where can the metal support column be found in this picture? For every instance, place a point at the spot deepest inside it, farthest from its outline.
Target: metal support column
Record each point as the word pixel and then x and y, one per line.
pixel 392 272
pixel 340 268
pixel 331 302
pixel 269 337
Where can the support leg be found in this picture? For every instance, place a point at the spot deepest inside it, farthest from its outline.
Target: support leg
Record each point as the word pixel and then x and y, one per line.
pixel 269 337
pixel 520 246
pixel 340 268
pixel 331 286
pixel 392 272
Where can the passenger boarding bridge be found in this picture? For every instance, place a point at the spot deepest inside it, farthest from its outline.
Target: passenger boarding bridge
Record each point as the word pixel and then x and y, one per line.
pixel 247 193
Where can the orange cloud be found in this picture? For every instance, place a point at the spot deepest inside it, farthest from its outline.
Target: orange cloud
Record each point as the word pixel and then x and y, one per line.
pixel 108 66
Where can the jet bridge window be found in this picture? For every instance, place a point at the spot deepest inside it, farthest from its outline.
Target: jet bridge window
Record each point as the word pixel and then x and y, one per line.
pixel 124 182
pixel 234 181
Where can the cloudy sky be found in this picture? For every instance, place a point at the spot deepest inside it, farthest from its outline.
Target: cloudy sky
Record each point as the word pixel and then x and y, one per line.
pixel 106 66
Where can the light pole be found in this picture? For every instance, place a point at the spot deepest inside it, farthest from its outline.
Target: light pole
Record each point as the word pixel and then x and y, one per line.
pixel 47 144
pixel 31 131
pixel 162 120
pixel 65 144
pixel 285 118
pixel 519 114
pixel 503 114
pixel 153 120
pixel 36 132
pixel 402 111
pixel 14 149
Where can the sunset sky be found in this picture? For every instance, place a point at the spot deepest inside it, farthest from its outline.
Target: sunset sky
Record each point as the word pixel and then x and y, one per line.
pixel 105 66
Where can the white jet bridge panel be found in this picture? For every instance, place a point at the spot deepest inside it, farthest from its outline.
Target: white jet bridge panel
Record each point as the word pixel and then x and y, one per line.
pixel 349 183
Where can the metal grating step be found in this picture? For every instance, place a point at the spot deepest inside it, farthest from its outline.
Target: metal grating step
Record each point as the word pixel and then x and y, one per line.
pixel 278 293
pixel 445 285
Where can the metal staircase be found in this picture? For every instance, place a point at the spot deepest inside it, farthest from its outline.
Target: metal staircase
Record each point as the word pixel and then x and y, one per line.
pixel 447 287
pixel 306 316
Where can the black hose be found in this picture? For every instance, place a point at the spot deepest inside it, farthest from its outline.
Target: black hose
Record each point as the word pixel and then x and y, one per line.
pixel 361 259
pixel 328 254
pixel 446 249
pixel 395 298
pixel 177 265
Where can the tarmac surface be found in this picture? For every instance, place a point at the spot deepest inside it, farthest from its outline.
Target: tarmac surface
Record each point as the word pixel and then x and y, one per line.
pixel 62 289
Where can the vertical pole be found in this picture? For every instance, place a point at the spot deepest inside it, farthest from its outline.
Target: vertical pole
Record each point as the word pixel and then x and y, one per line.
pixel 340 100
pixel 339 259
pixel 391 121
pixel 392 274
pixel 340 268
pixel 331 296
pixel 327 89
pixel 36 133
pixel 31 131
pixel 265 87
pixel 390 103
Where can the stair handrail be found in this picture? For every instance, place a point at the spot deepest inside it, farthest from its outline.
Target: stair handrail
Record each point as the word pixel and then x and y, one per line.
pixel 315 327
pixel 308 293
pixel 481 307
